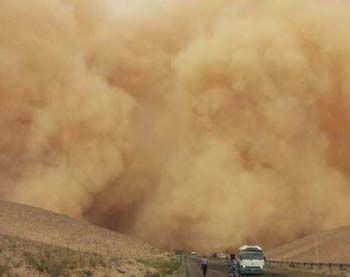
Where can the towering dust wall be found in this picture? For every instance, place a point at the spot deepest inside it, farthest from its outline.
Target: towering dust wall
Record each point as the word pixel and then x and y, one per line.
pixel 188 124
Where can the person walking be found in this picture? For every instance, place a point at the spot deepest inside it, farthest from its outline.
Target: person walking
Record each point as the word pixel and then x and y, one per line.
pixel 233 266
pixel 204 265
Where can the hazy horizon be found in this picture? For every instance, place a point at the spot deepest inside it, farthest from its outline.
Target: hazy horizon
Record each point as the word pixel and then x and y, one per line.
pixel 190 125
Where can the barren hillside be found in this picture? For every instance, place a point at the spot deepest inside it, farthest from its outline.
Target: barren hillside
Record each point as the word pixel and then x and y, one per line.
pixel 36 242
pixel 333 246
pixel 59 230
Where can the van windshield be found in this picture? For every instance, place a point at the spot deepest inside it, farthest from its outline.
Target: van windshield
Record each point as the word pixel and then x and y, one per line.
pixel 251 256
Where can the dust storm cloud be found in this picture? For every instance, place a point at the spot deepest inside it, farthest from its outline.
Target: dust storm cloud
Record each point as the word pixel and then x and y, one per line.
pixel 199 125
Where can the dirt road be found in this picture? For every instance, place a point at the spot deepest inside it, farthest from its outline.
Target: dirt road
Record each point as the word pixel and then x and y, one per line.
pixel 192 269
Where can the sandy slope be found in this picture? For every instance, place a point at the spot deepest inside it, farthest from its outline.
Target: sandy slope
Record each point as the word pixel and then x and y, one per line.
pixel 333 246
pixel 36 242
pixel 59 230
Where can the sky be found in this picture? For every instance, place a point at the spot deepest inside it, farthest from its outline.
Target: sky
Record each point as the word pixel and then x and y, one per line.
pixel 196 125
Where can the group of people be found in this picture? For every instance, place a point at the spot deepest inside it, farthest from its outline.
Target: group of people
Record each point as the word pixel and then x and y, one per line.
pixel 232 266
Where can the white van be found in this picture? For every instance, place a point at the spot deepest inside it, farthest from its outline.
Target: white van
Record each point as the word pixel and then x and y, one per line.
pixel 251 260
pixel 222 256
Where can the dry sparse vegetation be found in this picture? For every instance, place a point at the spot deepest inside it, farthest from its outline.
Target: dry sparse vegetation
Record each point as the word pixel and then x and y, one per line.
pixel 21 257
pixel 163 266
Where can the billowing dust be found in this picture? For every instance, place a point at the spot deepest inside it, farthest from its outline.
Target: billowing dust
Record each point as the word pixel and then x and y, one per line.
pixel 194 125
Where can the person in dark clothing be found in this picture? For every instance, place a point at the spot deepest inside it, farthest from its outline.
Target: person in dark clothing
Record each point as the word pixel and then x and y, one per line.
pixel 204 265
pixel 233 266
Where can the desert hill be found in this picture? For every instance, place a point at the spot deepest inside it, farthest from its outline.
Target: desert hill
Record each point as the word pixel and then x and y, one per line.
pixel 333 246
pixel 36 242
pixel 60 230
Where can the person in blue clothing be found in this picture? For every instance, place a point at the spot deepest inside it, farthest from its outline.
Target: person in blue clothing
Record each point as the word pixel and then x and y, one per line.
pixel 233 266
pixel 204 265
